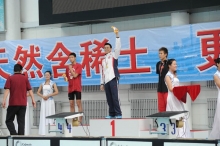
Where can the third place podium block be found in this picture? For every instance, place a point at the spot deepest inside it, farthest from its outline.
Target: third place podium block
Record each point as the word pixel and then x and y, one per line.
pixel 119 127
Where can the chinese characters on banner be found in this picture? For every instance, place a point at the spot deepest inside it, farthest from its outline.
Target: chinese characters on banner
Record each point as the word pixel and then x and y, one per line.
pixel 60 54
pixel 136 64
pixel 210 47
pixel 3 74
pixel 27 58
pixel 92 58
pixel 133 51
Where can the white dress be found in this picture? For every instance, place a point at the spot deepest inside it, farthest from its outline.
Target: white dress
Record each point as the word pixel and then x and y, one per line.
pixel 215 133
pixel 47 108
pixel 173 104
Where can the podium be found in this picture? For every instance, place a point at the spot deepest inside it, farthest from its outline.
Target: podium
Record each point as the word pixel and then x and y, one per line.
pixel 120 127
pixel 64 123
pixel 167 123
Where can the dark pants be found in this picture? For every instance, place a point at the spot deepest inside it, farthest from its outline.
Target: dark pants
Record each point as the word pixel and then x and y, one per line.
pixel 19 111
pixel 111 91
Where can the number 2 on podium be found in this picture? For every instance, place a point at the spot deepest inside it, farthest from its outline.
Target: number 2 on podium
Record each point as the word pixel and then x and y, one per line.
pixel 113 127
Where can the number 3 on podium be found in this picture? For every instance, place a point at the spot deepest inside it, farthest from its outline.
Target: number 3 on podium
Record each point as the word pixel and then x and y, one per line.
pixel 172 124
pixel 174 128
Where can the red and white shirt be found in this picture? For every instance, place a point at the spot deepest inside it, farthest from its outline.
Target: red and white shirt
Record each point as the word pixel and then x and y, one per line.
pixel 109 65
pixel 74 84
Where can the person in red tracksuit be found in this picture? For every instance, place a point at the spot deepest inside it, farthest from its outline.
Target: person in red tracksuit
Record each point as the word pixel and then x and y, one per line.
pixel 161 70
pixel 74 77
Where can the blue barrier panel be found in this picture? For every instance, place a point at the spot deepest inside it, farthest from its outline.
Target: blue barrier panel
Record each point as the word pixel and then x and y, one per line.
pixel 3 140
pixel 55 141
pixel 86 141
pixel 158 142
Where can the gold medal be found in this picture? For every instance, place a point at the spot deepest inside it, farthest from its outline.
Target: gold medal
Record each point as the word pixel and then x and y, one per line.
pixel 65 77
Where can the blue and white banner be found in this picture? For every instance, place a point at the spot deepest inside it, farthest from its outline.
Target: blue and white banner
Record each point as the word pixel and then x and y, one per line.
pixel 193 46
pixel 2 15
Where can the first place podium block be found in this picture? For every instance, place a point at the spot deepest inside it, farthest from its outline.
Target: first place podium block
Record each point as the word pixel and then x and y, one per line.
pixel 64 123
pixel 119 127
pixel 167 123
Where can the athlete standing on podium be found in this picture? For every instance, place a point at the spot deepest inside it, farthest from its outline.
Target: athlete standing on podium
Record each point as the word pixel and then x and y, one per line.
pixel 74 76
pixel 110 76
pixel 161 70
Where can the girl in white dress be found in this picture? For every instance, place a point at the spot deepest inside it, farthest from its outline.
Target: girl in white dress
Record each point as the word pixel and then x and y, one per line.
pixel 215 133
pixel 173 104
pixel 49 89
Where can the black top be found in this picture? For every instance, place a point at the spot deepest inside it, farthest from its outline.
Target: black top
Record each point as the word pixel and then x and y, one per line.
pixel 167 114
pixel 63 115
pixel 161 75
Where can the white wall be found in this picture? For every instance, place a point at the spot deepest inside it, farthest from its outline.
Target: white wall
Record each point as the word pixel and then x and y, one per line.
pixel 205 16
pixel 29 21
pixel 53 31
